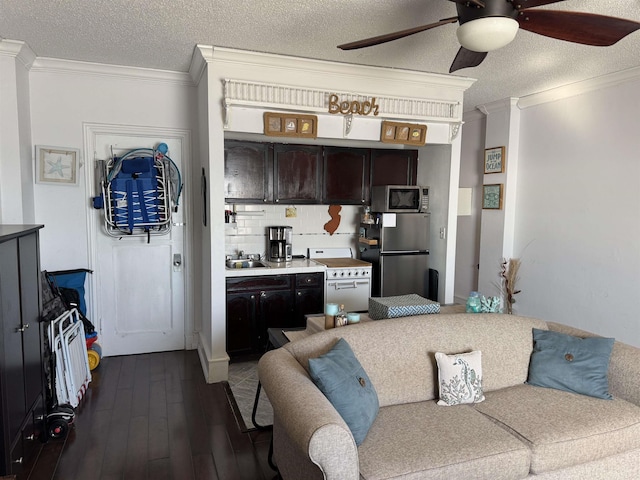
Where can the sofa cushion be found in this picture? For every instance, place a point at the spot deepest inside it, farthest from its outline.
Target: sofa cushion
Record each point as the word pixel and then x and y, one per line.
pixel 398 354
pixel 339 375
pixel 570 363
pixel 561 428
pixel 460 378
pixel 424 441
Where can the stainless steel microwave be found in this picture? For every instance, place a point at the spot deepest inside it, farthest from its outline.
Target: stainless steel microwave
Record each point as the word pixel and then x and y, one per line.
pixel 400 199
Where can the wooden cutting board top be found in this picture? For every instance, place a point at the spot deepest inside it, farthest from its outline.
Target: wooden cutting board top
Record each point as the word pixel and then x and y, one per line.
pixel 342 262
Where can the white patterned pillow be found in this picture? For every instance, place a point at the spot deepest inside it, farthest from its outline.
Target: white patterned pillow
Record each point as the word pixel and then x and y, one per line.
pixel 460 378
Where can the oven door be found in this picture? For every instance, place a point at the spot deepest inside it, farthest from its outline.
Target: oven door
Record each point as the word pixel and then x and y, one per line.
pixel 353 294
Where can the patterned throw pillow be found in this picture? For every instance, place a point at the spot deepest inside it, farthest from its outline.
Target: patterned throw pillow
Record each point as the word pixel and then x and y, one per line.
pixel 460 378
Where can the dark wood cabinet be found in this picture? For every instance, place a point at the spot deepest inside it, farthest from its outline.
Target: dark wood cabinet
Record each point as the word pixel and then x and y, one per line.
pixel 255 304
pixel 309 298
pixel 311 174
pixel 394 167
pixel 248 172
pixel 21 370
pixel 241 320
pixel 297 173
pixel 346 176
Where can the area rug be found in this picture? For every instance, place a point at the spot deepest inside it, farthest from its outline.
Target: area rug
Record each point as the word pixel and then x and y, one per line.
pixel 243 383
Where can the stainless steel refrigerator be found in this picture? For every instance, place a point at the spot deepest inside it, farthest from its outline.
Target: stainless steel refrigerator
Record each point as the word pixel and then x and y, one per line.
pixel 401 259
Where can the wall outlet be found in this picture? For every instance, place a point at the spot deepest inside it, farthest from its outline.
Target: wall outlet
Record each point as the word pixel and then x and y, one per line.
pixel 290 212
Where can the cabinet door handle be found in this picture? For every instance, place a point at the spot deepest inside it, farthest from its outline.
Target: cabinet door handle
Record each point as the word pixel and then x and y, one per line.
pixel 22 328
pixel 18 461
pixel 262 294
pixel 253 297
pixel 299 293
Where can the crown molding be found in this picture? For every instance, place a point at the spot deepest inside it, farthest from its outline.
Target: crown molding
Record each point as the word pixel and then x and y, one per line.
pixel 326 68
pixel 579 88
pixel 19 50
pixel 74 67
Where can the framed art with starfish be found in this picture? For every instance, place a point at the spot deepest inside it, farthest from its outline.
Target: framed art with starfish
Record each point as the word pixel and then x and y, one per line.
pixel 57 165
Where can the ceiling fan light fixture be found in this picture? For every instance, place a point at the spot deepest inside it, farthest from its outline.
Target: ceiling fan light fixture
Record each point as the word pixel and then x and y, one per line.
pixel 487 34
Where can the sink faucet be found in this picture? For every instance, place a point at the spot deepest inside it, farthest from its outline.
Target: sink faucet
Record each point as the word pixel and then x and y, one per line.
pixel 240 254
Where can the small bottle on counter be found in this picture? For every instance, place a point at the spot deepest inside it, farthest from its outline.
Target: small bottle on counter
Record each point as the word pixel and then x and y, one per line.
pixel 330 311
pixel 473 303
pixel 341 317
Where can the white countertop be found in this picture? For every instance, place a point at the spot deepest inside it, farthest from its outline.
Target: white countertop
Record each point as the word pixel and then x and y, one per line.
pixel 278 268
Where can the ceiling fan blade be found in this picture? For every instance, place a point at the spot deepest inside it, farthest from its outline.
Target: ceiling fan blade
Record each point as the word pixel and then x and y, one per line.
pixel 524 4
pixel 369 42
pixel 577 27
pixel 477 3
pixel 466 58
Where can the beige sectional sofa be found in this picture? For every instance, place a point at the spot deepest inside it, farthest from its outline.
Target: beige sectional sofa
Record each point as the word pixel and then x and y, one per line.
pixel 518 431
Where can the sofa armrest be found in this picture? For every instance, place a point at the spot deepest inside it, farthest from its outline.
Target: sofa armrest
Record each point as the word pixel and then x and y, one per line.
pixel 310 421
pixel 624 366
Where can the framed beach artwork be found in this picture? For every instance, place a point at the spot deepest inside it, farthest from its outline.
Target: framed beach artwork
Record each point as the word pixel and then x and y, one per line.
pixel 494 160
pixel 492 196
pixel 57 165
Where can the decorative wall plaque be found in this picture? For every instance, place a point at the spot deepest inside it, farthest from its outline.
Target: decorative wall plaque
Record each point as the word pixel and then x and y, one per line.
pixel 290 125
pixel 405 133
pixel 494 159
pixel 492 197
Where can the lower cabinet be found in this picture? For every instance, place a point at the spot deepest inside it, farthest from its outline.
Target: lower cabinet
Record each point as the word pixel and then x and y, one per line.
pixel 22 387
pixel 255 304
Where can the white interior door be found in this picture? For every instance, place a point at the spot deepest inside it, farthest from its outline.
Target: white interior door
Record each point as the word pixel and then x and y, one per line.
pixel 139 292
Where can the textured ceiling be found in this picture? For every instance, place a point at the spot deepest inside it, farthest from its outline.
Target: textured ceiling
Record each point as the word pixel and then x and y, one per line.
pixel 162 34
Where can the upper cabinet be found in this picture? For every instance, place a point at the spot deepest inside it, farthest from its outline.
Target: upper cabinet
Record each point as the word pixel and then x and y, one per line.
pixel 346 176
pixel 248 172
pixel 394 167
pixel 298 174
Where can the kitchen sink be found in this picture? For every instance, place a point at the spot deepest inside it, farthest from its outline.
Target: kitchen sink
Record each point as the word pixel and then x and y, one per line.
pixel 245 263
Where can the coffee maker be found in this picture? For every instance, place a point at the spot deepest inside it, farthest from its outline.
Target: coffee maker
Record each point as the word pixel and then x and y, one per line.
pixel 279 244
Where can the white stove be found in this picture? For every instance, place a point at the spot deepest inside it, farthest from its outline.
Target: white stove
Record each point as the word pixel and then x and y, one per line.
pixel 348 280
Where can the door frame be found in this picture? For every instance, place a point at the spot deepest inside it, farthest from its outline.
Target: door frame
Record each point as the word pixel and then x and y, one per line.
pixel 90 131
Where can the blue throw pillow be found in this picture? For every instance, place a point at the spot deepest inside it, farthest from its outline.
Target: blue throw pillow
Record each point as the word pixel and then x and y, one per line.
pixel 339 375
pixel 573 364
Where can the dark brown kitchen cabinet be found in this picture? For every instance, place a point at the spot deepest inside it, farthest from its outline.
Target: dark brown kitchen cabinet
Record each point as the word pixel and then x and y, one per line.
pixel 297 173
pixel 393 167
pixel 309 298
pixel 346 176
pixel 22 388
pixel 255 304
pixel 248 172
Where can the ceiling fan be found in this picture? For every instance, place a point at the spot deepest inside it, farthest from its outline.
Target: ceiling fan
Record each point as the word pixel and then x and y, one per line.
pixel 487 25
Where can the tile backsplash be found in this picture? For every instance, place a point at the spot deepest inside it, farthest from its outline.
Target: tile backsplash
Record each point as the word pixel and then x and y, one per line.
pixel 249 232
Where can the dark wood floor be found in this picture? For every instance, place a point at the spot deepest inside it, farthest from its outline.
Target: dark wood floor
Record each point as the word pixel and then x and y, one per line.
pixel 150 417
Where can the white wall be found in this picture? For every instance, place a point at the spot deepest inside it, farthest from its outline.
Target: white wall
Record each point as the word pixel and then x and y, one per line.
pixel 576 221
pixel 468 237
pixel 434 171
pixel 16 167
pixel 578 211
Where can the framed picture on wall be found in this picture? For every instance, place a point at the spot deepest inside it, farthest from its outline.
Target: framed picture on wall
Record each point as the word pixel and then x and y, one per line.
pixel 57 165
pixel 492 196
pixel 494 160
